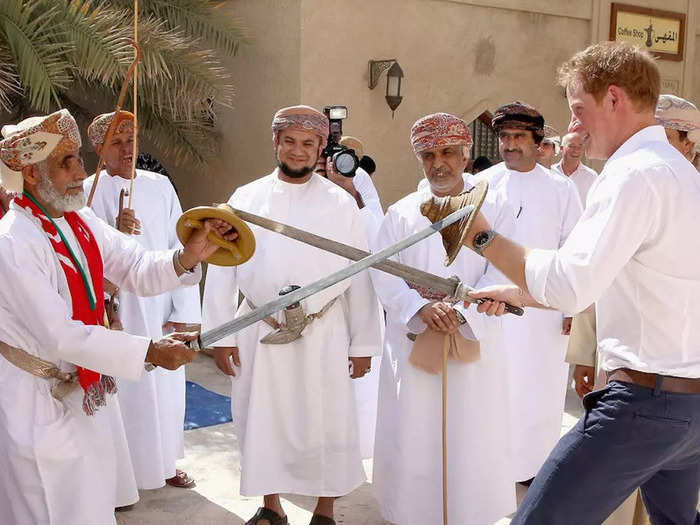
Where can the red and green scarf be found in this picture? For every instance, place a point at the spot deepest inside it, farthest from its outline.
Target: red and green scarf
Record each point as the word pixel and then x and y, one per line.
pixel 87 308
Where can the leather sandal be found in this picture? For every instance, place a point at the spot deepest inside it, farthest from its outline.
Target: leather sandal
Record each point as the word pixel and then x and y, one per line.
pixel 317 519
pixel 270 515
pixel 180 480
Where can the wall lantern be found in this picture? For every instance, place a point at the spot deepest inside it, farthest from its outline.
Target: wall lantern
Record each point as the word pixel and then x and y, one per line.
pixel 393 80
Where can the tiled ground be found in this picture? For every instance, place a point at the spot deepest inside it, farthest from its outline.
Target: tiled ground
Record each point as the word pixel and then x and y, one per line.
pixel 212 458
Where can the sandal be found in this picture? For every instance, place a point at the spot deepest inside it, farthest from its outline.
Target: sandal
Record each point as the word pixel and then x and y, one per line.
pixel 317 519
pixel 270 515
pixel 180 480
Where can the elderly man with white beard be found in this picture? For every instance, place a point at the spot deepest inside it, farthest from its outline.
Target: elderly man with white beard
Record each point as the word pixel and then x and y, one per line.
pixel 60 430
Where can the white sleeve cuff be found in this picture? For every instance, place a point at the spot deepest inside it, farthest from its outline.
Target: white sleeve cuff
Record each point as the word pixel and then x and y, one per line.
pixel 537 266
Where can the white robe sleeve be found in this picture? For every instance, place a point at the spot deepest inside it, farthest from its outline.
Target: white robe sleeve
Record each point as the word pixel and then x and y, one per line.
pixel 185 305
pixel 44 314
pixel 129 266
pixel 363 313
pixel 572 212
pixel 220 300
pixel 501 217
pixel 399 300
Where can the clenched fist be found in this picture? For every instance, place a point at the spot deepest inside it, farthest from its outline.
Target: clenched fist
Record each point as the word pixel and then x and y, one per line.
pixel 171 352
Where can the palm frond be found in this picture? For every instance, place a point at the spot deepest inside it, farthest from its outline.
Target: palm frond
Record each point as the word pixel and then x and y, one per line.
pixel 197 19
pixel 10 86
pixel 177 75
pixel 32 31
pixel 102 51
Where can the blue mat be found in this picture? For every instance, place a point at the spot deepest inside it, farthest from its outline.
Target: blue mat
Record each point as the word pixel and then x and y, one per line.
pixel 205 408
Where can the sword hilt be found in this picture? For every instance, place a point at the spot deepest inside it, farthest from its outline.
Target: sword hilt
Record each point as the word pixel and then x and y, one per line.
pixel 195 344
pixel 462 293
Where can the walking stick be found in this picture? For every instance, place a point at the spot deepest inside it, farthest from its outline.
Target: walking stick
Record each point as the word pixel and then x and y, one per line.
pixel 135 148
pixel 445 348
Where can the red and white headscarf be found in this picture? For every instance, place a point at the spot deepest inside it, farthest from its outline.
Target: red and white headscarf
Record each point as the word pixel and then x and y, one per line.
pixel 439 130
pixel 304 118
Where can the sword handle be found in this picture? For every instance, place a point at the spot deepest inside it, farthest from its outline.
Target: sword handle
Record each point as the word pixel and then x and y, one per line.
pixel 195 344
pixel 462 293
pixel 515 310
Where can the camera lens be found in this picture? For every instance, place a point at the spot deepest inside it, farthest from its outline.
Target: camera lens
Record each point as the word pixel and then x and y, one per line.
pixel 345 163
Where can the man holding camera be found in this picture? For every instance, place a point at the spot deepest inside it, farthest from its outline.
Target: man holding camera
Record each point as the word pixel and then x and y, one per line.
pixel 292 399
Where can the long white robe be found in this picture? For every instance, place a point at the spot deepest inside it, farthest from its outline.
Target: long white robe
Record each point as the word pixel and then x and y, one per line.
pixel 58 465
pixel 407 472
pixel 293 405
pixel 367 387
pixel 546 207
pixel 153 408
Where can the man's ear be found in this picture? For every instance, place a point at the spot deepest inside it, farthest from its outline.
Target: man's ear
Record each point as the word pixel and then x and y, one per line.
pixel 98 149
pixel 617 97
pixel 30 174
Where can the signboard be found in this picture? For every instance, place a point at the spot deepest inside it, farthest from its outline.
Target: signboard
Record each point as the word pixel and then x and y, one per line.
pixel 671 86
pixel 661 32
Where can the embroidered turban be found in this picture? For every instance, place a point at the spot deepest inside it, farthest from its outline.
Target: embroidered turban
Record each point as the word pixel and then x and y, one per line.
pixel 676 113
pixel 32 141
pixel 97 130
pixel 518 115
pixel 304 118
pixel 439 130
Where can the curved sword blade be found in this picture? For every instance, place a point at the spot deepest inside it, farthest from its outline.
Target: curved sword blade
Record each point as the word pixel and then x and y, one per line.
pixel 212 336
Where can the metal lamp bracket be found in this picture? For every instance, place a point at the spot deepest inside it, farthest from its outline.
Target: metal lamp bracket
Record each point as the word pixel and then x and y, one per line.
pixel 376 68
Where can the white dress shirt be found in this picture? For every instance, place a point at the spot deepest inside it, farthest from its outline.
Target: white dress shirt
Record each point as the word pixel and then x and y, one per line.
pixel 634 252
pixel 583 177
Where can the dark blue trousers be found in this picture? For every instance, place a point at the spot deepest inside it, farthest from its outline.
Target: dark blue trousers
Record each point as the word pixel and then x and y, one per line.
pixel 629 437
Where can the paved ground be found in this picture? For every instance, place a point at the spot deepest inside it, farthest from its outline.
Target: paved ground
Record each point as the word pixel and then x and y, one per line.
pixel 212 458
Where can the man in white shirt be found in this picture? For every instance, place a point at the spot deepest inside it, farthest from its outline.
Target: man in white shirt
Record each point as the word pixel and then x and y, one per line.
pixel 634 254
pixel 570 165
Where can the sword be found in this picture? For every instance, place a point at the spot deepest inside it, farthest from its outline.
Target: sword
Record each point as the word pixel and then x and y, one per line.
pixel 212 336
pixel 452 287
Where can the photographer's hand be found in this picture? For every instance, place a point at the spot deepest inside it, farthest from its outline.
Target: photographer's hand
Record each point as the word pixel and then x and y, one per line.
pixel 344 182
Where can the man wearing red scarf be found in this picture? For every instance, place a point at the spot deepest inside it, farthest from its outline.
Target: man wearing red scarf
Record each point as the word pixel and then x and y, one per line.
pixel 61 436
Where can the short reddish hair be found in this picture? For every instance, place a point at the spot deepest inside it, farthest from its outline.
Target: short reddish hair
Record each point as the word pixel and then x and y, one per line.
pixel 614 63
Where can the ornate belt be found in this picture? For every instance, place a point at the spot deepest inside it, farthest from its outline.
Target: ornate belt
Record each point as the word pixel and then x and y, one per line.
pixel 66 382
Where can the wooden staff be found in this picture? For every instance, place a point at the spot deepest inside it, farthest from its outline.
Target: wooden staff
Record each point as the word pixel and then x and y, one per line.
pixel 135 148
pixel 113 125
pixel 445 349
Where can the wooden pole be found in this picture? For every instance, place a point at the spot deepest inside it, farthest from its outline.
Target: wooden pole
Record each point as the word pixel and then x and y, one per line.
pixel 135 148
pixel 445 349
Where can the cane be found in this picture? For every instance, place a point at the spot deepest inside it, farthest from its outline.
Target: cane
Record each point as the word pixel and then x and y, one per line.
pixel 445 348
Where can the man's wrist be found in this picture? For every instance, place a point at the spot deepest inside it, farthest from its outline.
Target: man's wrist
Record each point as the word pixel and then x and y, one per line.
pixel 482 240
pixel 183 262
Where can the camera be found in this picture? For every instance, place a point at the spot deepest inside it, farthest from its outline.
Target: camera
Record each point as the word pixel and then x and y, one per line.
pixel 344 159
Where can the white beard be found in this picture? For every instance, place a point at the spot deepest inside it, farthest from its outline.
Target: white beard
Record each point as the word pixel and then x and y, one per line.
pixel 46 191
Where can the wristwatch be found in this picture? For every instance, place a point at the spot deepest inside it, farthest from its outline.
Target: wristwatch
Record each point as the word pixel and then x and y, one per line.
pixel 482 240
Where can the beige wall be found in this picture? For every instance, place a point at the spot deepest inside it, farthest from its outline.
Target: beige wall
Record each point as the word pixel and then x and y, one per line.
pixel 458 56
pixel 266 74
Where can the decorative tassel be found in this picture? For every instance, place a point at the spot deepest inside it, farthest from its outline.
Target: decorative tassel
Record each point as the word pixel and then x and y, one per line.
pixel 109 384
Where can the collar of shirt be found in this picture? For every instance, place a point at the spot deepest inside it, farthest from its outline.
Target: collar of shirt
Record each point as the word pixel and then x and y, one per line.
pixel 649 134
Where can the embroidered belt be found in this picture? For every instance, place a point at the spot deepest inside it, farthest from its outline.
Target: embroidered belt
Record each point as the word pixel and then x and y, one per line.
pixel 66 381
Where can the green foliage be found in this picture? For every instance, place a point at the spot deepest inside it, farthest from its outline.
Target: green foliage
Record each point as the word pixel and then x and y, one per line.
pixel 75 53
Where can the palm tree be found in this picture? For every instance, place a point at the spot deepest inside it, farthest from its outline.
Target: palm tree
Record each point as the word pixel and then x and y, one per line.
pixel 75 53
